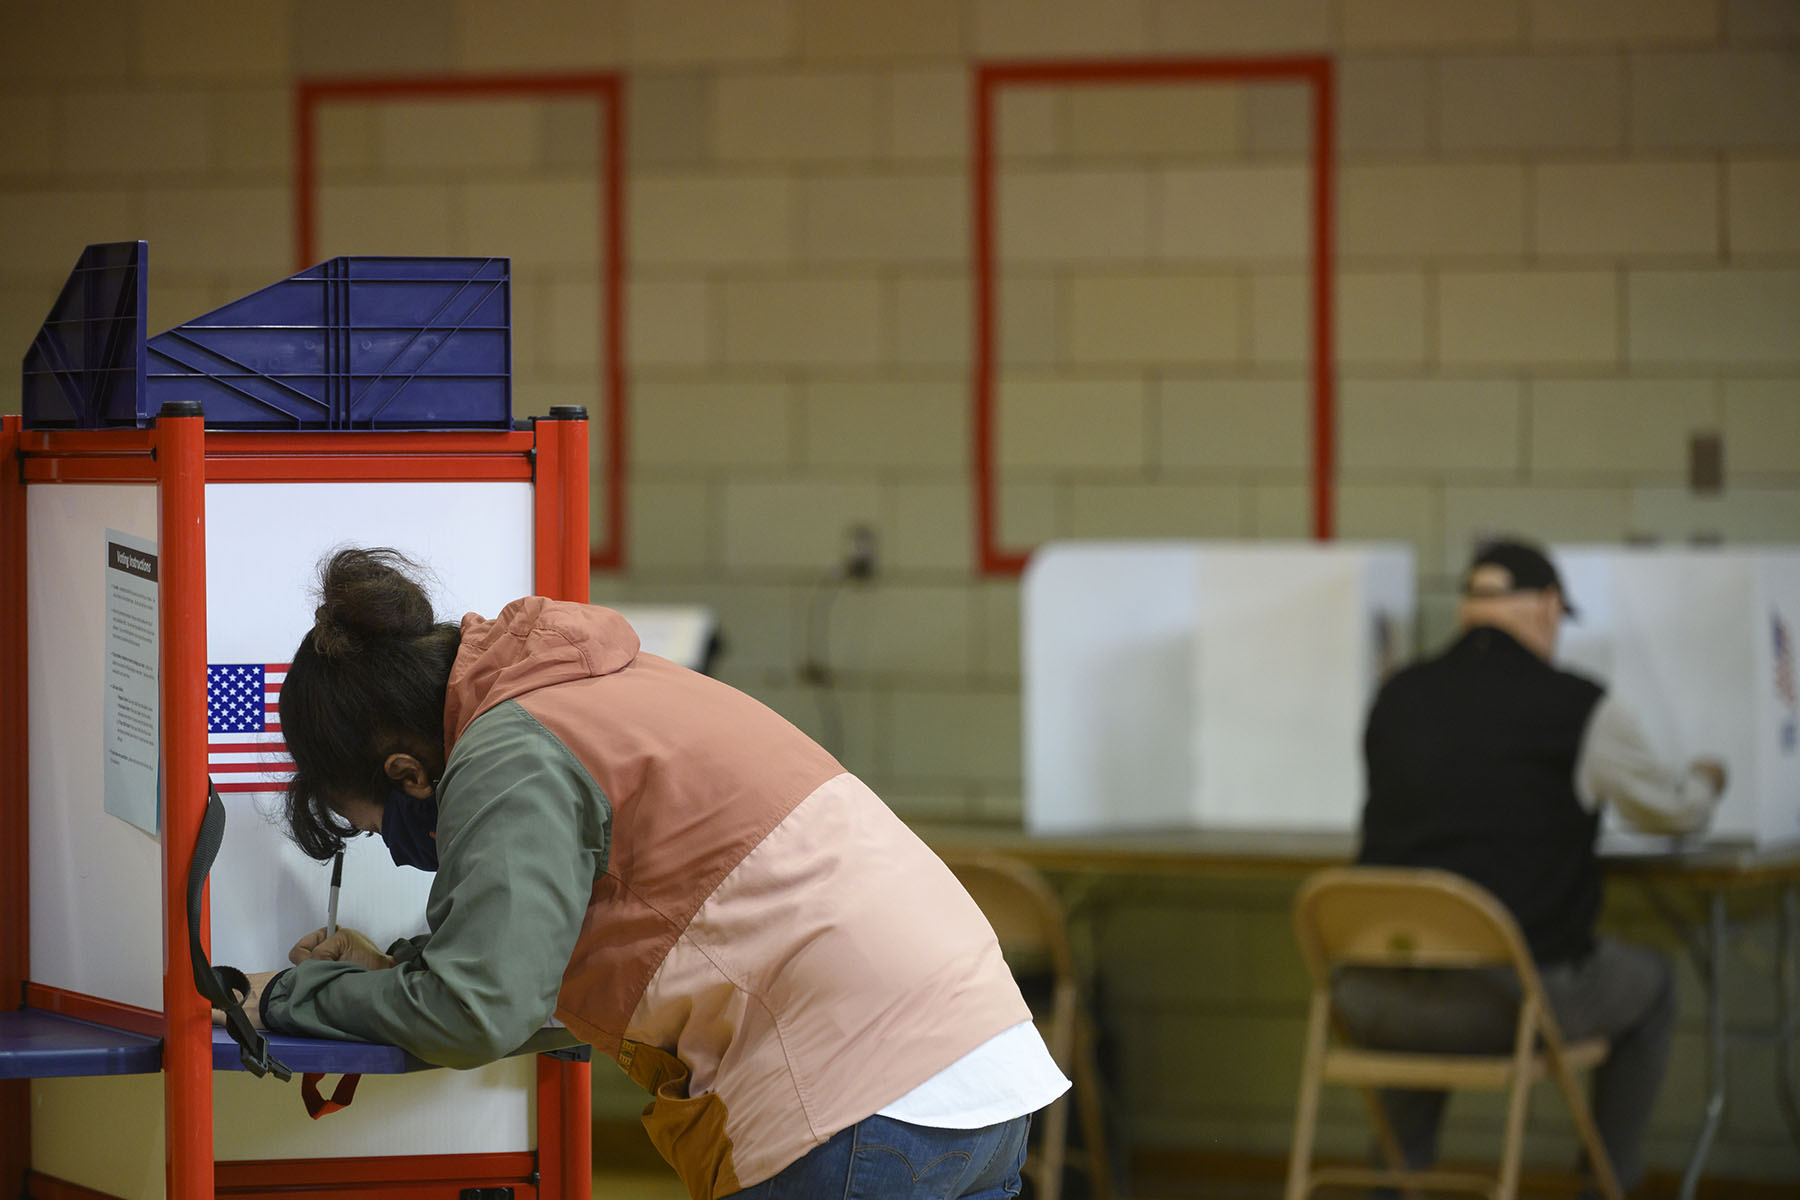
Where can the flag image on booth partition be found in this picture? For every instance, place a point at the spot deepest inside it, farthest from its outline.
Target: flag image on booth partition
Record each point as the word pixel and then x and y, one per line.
pixel 245 752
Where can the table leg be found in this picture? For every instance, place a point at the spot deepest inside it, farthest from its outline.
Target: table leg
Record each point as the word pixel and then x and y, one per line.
pixel 1787 917
pixel 1715 1043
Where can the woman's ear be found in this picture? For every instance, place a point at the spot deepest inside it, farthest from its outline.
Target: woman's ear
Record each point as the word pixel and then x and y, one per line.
pixel 409 775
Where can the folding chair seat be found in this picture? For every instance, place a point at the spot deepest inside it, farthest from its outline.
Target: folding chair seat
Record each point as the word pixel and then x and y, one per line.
pixel 1029 922
pixel 1407 918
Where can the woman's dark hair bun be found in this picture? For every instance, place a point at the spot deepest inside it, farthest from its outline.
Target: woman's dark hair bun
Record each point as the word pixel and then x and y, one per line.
pixel 366 595
pixel 369 677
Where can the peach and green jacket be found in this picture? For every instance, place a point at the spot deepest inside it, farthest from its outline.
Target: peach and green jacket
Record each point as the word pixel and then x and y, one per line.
pixel 686 881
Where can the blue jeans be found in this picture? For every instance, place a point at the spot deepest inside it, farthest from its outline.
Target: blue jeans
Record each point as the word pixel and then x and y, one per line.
pixel 880 1158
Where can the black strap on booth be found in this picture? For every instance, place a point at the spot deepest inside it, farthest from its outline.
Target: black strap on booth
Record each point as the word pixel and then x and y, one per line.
pixel 226 987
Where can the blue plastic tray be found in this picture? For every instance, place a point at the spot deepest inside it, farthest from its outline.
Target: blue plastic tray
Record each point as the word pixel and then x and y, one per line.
pixel 323 1056
pixel 40 1045
pixel 35 1044
pixel 320 1056
pixel 353 343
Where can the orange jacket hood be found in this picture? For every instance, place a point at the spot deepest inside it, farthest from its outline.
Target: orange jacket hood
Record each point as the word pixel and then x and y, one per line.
pixel 534 643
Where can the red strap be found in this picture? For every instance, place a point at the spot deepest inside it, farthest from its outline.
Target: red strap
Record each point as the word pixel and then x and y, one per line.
pixel 317 1105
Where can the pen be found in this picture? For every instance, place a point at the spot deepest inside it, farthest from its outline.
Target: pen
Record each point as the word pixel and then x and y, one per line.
pixel 337 879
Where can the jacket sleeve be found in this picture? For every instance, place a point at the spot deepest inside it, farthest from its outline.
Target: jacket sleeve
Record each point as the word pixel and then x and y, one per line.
pixel 522 834
pixel 1617 766
pixel 408 948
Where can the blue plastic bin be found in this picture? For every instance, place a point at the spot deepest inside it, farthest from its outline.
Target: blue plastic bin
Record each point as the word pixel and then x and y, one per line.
pixel 353 343
pixel 85 367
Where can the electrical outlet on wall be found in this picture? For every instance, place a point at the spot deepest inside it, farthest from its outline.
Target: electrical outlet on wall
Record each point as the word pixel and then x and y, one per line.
pixel 1706 462
pixel 859 552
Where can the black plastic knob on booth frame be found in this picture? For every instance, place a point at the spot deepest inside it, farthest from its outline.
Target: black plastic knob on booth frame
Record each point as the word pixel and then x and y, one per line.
pixel 567 412
pixel 179 408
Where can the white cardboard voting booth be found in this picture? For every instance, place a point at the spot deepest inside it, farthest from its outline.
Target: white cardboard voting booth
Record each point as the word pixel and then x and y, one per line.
pixel 1204 684
pixel 1701 643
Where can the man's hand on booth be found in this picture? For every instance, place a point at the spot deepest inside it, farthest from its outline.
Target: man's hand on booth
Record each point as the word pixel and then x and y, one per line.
pixel 346 945
pixel 1713 771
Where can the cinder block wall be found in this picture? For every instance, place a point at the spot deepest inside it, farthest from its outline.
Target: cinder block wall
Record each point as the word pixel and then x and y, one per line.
pixel 1569 240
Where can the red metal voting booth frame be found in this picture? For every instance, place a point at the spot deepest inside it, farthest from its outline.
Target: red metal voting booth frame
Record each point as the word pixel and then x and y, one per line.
pixel 180 458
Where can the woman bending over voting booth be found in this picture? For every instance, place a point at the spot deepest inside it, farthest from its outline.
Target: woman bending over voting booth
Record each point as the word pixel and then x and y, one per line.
pixel 668 868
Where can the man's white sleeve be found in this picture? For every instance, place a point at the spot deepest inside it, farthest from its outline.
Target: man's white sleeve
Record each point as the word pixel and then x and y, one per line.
pixel 1616 766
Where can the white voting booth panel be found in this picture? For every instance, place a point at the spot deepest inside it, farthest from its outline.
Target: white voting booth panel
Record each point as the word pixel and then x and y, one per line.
pixel 1184 684
pixel 427 1112
pixel 264 545
pixel 681 633
pixel 96 880
pixel 1700 642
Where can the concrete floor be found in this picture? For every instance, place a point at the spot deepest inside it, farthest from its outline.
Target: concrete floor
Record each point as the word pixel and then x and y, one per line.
pixel 634 1185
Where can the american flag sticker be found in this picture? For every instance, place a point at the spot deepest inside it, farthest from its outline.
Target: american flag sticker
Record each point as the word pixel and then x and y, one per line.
pixel 245 752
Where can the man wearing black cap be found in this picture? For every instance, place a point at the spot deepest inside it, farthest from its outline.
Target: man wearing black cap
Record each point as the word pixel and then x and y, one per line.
pixel 1488 761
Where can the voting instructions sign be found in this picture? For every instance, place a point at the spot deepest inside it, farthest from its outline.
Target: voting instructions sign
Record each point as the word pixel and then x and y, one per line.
pixel 130 734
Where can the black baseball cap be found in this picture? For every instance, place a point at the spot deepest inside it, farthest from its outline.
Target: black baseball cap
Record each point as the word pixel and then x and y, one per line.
pixel 1530 568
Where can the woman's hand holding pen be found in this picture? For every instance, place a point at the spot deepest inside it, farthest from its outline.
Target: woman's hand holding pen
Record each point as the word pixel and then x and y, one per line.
pixel 346 945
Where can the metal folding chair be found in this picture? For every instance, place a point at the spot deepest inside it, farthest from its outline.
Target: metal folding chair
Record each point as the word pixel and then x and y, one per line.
pixel 1029 922
pixel 1392 917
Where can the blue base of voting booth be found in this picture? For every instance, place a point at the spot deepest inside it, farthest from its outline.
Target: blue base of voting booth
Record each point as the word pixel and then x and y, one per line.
pixel 35 1044
pixel 38 1044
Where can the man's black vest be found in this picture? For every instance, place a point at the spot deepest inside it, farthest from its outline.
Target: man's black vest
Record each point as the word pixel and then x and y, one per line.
pixel 1471 767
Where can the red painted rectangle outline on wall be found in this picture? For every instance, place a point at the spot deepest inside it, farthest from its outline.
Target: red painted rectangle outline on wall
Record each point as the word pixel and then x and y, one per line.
pixel 608 91
pixel 1317 73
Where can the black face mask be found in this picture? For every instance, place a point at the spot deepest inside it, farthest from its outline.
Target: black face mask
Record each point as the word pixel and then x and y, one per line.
pixel 409 827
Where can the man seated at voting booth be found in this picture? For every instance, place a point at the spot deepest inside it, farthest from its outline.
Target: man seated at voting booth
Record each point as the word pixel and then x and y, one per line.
pixel 1488 761
pixel 670 869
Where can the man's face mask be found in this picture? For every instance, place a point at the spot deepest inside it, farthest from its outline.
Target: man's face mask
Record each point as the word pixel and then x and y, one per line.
pixel 409 827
